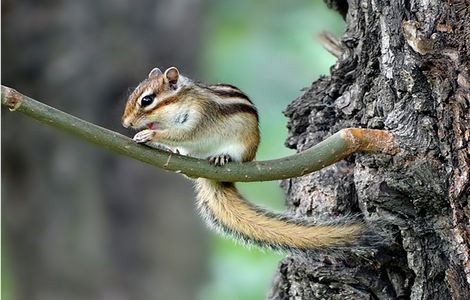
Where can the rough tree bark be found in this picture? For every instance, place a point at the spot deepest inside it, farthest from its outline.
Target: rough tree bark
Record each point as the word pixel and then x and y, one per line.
pixel 404 68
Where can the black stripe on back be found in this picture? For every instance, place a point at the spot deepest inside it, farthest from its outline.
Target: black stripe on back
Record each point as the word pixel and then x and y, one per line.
pixel 235 93
pixel 234 108
pixel 225 85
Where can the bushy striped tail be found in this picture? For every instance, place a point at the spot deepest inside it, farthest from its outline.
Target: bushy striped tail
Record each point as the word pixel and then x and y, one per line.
pixel 226 211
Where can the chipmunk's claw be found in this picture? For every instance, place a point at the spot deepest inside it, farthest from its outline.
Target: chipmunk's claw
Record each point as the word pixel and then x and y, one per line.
pixel 219 160
pixel 144 136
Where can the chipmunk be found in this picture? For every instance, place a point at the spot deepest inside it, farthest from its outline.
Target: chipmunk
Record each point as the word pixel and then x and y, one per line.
pixel 219 123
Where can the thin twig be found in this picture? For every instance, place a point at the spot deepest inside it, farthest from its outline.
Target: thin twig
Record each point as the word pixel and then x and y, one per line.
pixel 325 153
pixel 330 43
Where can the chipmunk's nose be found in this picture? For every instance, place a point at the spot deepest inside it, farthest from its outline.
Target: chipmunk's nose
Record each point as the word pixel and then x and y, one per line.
pixel 127 123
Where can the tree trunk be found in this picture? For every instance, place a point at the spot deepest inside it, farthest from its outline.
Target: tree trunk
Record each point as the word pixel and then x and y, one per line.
pixel 404 68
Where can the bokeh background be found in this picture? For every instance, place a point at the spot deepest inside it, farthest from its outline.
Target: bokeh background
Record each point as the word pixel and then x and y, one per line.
pixel 79 222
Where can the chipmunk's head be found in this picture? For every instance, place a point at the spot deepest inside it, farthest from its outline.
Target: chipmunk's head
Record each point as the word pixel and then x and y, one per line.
pixel 156 102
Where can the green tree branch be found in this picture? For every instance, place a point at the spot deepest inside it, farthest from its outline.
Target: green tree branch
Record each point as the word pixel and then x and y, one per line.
pixel 333 149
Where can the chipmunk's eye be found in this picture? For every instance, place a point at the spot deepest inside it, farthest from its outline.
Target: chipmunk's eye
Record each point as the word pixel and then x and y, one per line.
pixel 147 100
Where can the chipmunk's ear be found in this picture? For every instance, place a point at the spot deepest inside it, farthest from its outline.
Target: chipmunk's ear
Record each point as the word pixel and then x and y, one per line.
pixel 155 72
pixel 172 74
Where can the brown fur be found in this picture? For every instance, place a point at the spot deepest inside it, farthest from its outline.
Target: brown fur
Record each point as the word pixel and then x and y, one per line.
pixel 234 120
pixel 228 92
pixel 233 212
pixel 166 101
pixel 155 83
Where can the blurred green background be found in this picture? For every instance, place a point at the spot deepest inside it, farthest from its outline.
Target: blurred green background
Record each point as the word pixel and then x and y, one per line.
pixel 266 48
pixel 269 50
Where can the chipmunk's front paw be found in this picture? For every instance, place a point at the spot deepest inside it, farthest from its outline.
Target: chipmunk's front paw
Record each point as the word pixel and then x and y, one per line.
pixel 144 136
pixel 219 160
